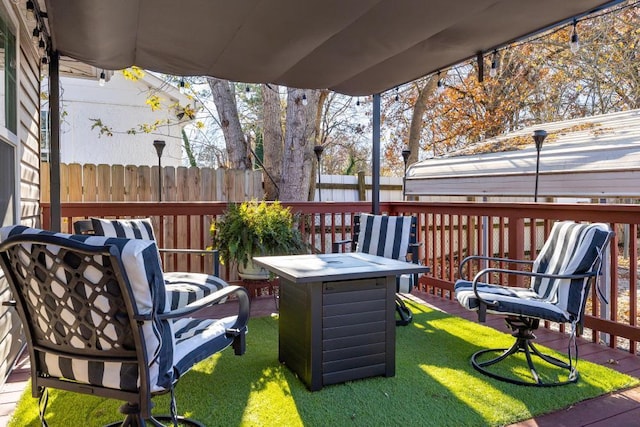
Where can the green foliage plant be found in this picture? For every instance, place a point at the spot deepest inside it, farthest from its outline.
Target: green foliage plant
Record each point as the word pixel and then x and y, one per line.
pixel 255 228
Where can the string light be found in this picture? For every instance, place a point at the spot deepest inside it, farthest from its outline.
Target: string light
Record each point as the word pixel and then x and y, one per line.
pixel 31 11
pixel 439 84
pixel 103 78
pixel 358 102
pixel 181 86
pixel 36 34
pixel 304 99
pixel 574 43
pixel 248 93
pixel 397 94
pixel 494 64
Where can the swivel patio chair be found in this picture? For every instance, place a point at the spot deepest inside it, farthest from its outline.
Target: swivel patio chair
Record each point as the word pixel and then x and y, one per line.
pixel 391 237
pixel 94 318
pixel 560 279
pixel 183 287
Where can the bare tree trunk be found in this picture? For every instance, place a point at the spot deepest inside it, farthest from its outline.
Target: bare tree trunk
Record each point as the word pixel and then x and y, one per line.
pixel 318 141
pixel 298 144
pixel 237 146
pixel 272 141
pixel 413 144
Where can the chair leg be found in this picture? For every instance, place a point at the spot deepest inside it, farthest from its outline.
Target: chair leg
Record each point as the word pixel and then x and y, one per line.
pixel 406 316
pixel 523 332
pixel 134 419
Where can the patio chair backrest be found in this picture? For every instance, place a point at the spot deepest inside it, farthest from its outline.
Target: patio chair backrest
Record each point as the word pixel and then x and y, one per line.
pixel 570 249
pixel 383 235
pixel 82 300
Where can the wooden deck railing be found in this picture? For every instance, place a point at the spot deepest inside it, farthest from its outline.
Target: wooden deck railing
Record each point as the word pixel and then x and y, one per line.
pixel 448 232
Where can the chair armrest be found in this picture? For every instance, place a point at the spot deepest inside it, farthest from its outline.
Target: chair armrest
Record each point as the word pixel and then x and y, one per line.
pixel 214 252
pixel 488 258
pixel 335 246
pixel 211 299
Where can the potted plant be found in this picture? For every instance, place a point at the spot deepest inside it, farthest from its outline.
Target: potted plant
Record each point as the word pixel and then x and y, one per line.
pixel 253 229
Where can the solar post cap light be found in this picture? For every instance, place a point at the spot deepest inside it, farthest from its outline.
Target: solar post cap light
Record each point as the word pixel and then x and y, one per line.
pixel 318 149
pixel 159 146
pixel 538 137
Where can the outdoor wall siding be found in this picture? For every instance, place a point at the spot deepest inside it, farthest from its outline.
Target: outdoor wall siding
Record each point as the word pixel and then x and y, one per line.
pixel 28 86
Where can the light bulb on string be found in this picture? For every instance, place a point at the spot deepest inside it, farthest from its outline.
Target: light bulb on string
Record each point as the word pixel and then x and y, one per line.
pixel 103 78
pixel 248 93
pixel 31 11
pixel 397 94
pixel 494 64
pixel 36 34
pixel 439 84
pixel 574 43
pixel 304 99
pixel 181 86
pixel 358 102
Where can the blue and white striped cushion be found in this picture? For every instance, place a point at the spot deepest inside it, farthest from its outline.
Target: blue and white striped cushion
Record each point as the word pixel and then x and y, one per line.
pixel 383 235
pixel 128 228
pixel 140 263
pixel 182 288
pixel 571 248
pixel 511 301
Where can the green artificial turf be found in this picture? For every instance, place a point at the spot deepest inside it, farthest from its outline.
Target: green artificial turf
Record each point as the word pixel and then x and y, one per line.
pixel 434 385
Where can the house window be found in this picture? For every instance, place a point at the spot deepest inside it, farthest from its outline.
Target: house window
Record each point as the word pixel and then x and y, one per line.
pixel 8 117
pixel 45 139
pixel 8 187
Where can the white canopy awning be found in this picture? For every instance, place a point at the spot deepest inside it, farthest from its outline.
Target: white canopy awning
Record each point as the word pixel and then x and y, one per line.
pixel 356 47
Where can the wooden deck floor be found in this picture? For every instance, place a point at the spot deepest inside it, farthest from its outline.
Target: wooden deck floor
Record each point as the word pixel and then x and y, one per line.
pixel 618 409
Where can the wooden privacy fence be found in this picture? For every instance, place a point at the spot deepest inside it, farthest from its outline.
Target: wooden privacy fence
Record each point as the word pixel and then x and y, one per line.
pixel 118 183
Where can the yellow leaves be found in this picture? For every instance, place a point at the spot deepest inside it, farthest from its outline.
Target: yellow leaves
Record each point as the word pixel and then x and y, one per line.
pixel 200 124
pixel 133 73
pixel 153 101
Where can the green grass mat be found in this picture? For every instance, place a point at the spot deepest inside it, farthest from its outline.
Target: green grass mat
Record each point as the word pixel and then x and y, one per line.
pixel 434 385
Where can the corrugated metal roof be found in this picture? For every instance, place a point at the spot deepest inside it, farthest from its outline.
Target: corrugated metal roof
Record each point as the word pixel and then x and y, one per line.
pixel 596 156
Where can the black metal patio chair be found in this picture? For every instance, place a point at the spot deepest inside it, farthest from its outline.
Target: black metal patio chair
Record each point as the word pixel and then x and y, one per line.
pixel 559 283
pixel 183 287
pixel 391 237
pixel 95 319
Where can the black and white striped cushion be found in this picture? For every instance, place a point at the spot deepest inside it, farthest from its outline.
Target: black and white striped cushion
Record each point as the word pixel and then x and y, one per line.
pixel 387 236
pixel 571 248
pixel 383 235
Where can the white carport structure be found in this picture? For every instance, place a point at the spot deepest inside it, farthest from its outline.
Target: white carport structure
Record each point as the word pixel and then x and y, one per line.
pixel 594 157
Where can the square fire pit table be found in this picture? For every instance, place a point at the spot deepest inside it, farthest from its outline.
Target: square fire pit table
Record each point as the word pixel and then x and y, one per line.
pixel 337 314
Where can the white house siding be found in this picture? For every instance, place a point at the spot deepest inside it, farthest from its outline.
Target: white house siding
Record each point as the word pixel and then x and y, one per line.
pixel 121 105
pixel 27 170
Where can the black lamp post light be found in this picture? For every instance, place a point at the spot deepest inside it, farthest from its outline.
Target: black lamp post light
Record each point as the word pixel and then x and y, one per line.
pixel 405 157
pixel 159 146
pixel 318 149
pixel 538 137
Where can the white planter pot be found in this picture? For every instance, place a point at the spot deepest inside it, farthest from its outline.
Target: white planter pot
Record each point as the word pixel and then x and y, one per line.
pixel 252 272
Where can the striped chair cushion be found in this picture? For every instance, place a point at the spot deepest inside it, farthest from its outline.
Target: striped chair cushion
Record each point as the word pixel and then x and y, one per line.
pixel 128 228
pixel 140 263
pixel 512 301
pixel 570 249
pixel 386 236
pixel 182 287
